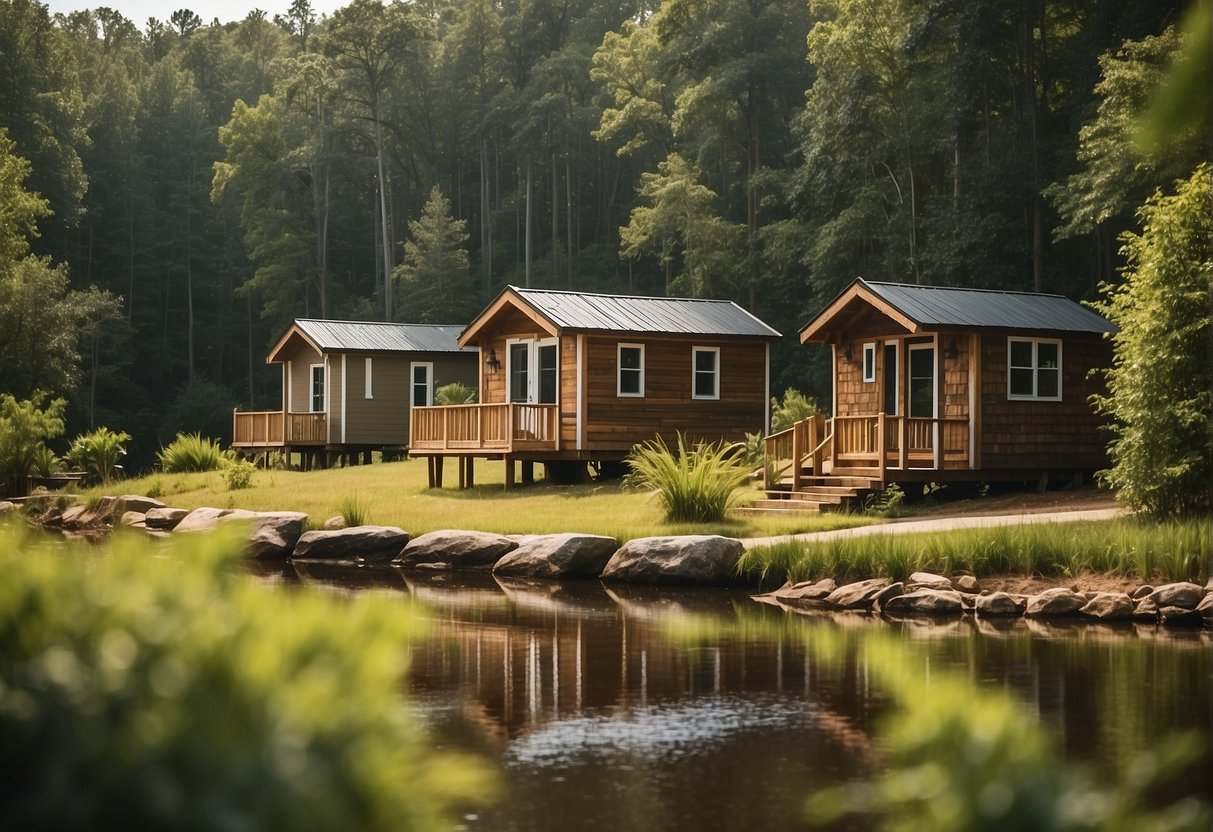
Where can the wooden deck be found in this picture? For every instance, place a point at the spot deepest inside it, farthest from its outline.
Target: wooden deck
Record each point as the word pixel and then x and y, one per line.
pixel 479 429
pixel 268 429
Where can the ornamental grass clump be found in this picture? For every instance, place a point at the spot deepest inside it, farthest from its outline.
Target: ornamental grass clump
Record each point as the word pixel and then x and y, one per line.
pixel 697 484
pixel 190 452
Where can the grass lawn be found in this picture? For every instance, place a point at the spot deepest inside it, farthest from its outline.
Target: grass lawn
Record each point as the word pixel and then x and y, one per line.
pixel 395 494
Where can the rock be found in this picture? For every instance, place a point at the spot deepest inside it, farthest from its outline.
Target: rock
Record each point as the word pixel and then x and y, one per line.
pixel 69 518
pixel 6 506
pixel 1108 606
pixel 368 543
pixel 164 518
pixel 1146 608
pixel 1055 602
pixel 857 596
pixel 695 560
pixel 558 556
pixel 454 549
pixel 273 534
pixel 926 580
pixel 924 602
pixel 1141 592
pixel 887 594
pixel 1183 594
pixel 1205 607
pixel 967 584
pixel 207 519
pixel 998 605
pixel 335 522
pixel 1180 616
pixel 135 502
pixel 132 518
pixel 806 594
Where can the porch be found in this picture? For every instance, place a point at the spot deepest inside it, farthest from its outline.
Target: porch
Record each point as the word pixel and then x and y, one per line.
pixel 268 429
pixel 493 431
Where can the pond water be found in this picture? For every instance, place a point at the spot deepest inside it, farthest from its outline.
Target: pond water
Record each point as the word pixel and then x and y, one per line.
pixel 600 716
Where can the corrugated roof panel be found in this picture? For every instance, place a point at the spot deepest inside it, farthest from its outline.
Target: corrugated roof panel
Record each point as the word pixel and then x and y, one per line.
pixel 628 313
pixel 936 306
pixel 378 336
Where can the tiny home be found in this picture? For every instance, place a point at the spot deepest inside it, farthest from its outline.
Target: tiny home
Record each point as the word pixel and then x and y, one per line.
pixel 570 378
pixel 932 384
pixel 348 386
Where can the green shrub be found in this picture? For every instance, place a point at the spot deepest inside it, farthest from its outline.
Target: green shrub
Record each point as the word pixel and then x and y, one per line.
pixel 353 510
pixel 795 407
pixel 238 474
pixel 190 452
pixel 696 485
pixel 455 393
pixel 97 454
pixel 24 427
pixel 163 692
pixel 45 462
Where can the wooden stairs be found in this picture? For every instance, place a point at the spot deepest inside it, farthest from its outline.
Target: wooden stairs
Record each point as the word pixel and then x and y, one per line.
pixel 817 493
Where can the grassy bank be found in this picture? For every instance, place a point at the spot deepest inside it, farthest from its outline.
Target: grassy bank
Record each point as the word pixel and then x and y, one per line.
pixel 395 494
pixel 1127 547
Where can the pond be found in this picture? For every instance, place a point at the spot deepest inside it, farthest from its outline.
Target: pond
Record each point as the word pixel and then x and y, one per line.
pixel 601 717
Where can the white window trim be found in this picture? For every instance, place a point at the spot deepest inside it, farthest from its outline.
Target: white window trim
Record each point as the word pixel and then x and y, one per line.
pixel 934 380
pixel 869 350
pixel 715 376
pixel 311 388
pixel 429 382
pixel 619 348
pixel 532 370
pixel 1035 342
pixel 366 392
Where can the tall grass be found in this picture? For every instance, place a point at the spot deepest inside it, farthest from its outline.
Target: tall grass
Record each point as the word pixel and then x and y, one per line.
pixel 1173 551
pixel 354 510
pixel 696 485
pixel 190 452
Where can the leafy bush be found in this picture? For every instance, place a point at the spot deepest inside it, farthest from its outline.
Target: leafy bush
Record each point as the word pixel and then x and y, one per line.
pixel 696 485
pixel 238 474
pixel 97 453
pixel 143 692
pixel 353 510
pixel 455 393
pixel 795 407
pixel 45 462
pixel 191 452
pixel 24 427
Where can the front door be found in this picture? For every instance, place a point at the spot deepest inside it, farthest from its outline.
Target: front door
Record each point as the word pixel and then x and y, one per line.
pixel 533 371
pixel 922 381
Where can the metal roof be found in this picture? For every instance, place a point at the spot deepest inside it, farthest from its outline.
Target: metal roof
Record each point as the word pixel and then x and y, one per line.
pixel 378 336
pixel 628 313
pixel 938 306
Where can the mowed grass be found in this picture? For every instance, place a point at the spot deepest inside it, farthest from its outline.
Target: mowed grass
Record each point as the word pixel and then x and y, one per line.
pixel 395 494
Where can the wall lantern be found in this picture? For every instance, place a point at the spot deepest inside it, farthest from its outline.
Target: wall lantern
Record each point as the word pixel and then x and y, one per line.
pixel 951 352
pixel 493 364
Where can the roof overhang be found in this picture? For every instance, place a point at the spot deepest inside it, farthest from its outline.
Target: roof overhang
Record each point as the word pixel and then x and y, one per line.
pixel 294 330
pixel 508 299
pixel 853 302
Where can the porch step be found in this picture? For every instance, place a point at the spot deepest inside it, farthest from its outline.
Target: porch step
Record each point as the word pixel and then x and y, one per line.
pixel 817 493
pixel 777 506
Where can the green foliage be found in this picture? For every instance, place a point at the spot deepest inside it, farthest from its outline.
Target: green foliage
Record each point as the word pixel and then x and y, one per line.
pixel 354 510
pixel 888 502
pixel 437 287
pixel 455 393
pixel 190 452
pixel 45 462
pixel 1160 386
pixel 695 485
pixel 162 691
pixel 794 408
pixel 97 453
pixel 19 208
pixel 24 427
pixel 238 474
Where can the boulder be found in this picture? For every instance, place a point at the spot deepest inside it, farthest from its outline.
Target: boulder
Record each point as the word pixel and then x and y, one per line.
pixel 806 594
pixel 1205 607
pixel 689 560
pixel 132 518
pixel 164 518
pixel 454 549
pixel 924 602
pixel 1180 616
pixel 887 594
pixel 998 605
pixel 365 543
pixel 558 556
pixel 1056 602
pixel 1108 606
pixel 69 518
pixel 7 506
pixel 207 519
pixel 967 584
pixel 857 596
pixel 1146 608
pixel 1141 592
pixel 335 522
pixel 135 502
pixel 1183 594
pixel 273 534
pixel 926 580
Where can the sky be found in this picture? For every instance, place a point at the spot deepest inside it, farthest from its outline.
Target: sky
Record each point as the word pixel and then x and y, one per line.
pixel 138 11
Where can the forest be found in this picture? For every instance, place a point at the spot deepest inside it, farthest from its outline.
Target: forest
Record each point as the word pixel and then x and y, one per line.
pixel 173 192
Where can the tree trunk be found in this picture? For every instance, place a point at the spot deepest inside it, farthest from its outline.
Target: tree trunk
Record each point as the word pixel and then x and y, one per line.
pixel 568 221
pixel 486 224
pixel 388 310
pixel 527 224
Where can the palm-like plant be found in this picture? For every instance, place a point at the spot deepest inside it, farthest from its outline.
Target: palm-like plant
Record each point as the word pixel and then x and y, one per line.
pixel 97 453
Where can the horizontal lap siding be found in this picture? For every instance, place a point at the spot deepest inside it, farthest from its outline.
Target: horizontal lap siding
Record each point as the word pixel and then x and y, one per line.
pixel 384 419
pixel 1044 434
pixel 613 423
pixel 301 379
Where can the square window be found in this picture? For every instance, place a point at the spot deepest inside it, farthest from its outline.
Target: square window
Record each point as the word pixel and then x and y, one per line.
pixel 1034 369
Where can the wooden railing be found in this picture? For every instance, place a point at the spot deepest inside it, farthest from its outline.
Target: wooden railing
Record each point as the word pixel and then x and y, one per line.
pixel 273 428
pixel 808 443
pixel 899 442
pixel 484 427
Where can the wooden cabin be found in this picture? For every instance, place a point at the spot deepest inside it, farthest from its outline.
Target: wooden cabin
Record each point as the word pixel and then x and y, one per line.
pixel 936 384
pixel 348 387
pixel 570 378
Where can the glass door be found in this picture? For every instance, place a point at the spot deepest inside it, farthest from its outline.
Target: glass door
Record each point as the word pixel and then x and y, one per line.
pixel 922 381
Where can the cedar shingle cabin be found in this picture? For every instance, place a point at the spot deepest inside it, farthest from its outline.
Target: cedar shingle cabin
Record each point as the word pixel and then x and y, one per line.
pixel 347 387
pixel 934 384
pixel 570 378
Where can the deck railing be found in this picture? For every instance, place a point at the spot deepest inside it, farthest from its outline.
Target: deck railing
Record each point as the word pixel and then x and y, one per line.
pixel 273 429
pixel 807 444
pixel 484 427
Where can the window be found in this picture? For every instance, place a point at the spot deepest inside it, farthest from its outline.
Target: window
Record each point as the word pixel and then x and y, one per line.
pixel 367 387
pixel 631 370
pixel 421 379
pixel 705 381
pixel 317 401
pixel 1034 369
pixel 533 369
pixel 869 362
pixel 922 381
pixel 890 379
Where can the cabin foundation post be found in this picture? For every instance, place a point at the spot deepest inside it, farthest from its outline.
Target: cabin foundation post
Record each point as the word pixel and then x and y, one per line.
pixel 366 457
pixel 509 473
pixel 528 471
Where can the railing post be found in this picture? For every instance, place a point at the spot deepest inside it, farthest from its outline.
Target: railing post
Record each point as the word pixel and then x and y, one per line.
pixel 509 432
pixel 797 453
pixel 881 441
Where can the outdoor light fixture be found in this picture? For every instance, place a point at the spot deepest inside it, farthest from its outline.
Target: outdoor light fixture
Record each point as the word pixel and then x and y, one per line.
pixel 951 352
pixel 493 364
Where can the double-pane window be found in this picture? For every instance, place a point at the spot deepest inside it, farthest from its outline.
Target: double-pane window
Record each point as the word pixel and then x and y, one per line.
pixel 631 370
pixel 1034 369
pixel 705 382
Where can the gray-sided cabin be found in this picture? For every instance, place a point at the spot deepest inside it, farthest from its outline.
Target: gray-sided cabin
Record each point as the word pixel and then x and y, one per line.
pixel 348 388
pixel 572 379
pixel 935 384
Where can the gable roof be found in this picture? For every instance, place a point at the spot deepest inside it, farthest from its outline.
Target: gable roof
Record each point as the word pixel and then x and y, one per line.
pixel 371 336
pixel 584 311
pixel 926 308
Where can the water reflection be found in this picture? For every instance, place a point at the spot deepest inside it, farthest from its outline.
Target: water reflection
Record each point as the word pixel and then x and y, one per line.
pixel 602 719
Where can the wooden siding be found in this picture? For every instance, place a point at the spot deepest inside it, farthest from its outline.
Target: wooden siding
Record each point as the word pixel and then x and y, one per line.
pixel 332 396
pixel 300 385
pixel 384 419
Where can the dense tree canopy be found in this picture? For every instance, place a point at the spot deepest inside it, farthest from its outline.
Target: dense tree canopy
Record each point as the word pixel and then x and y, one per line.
pixel 223 177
